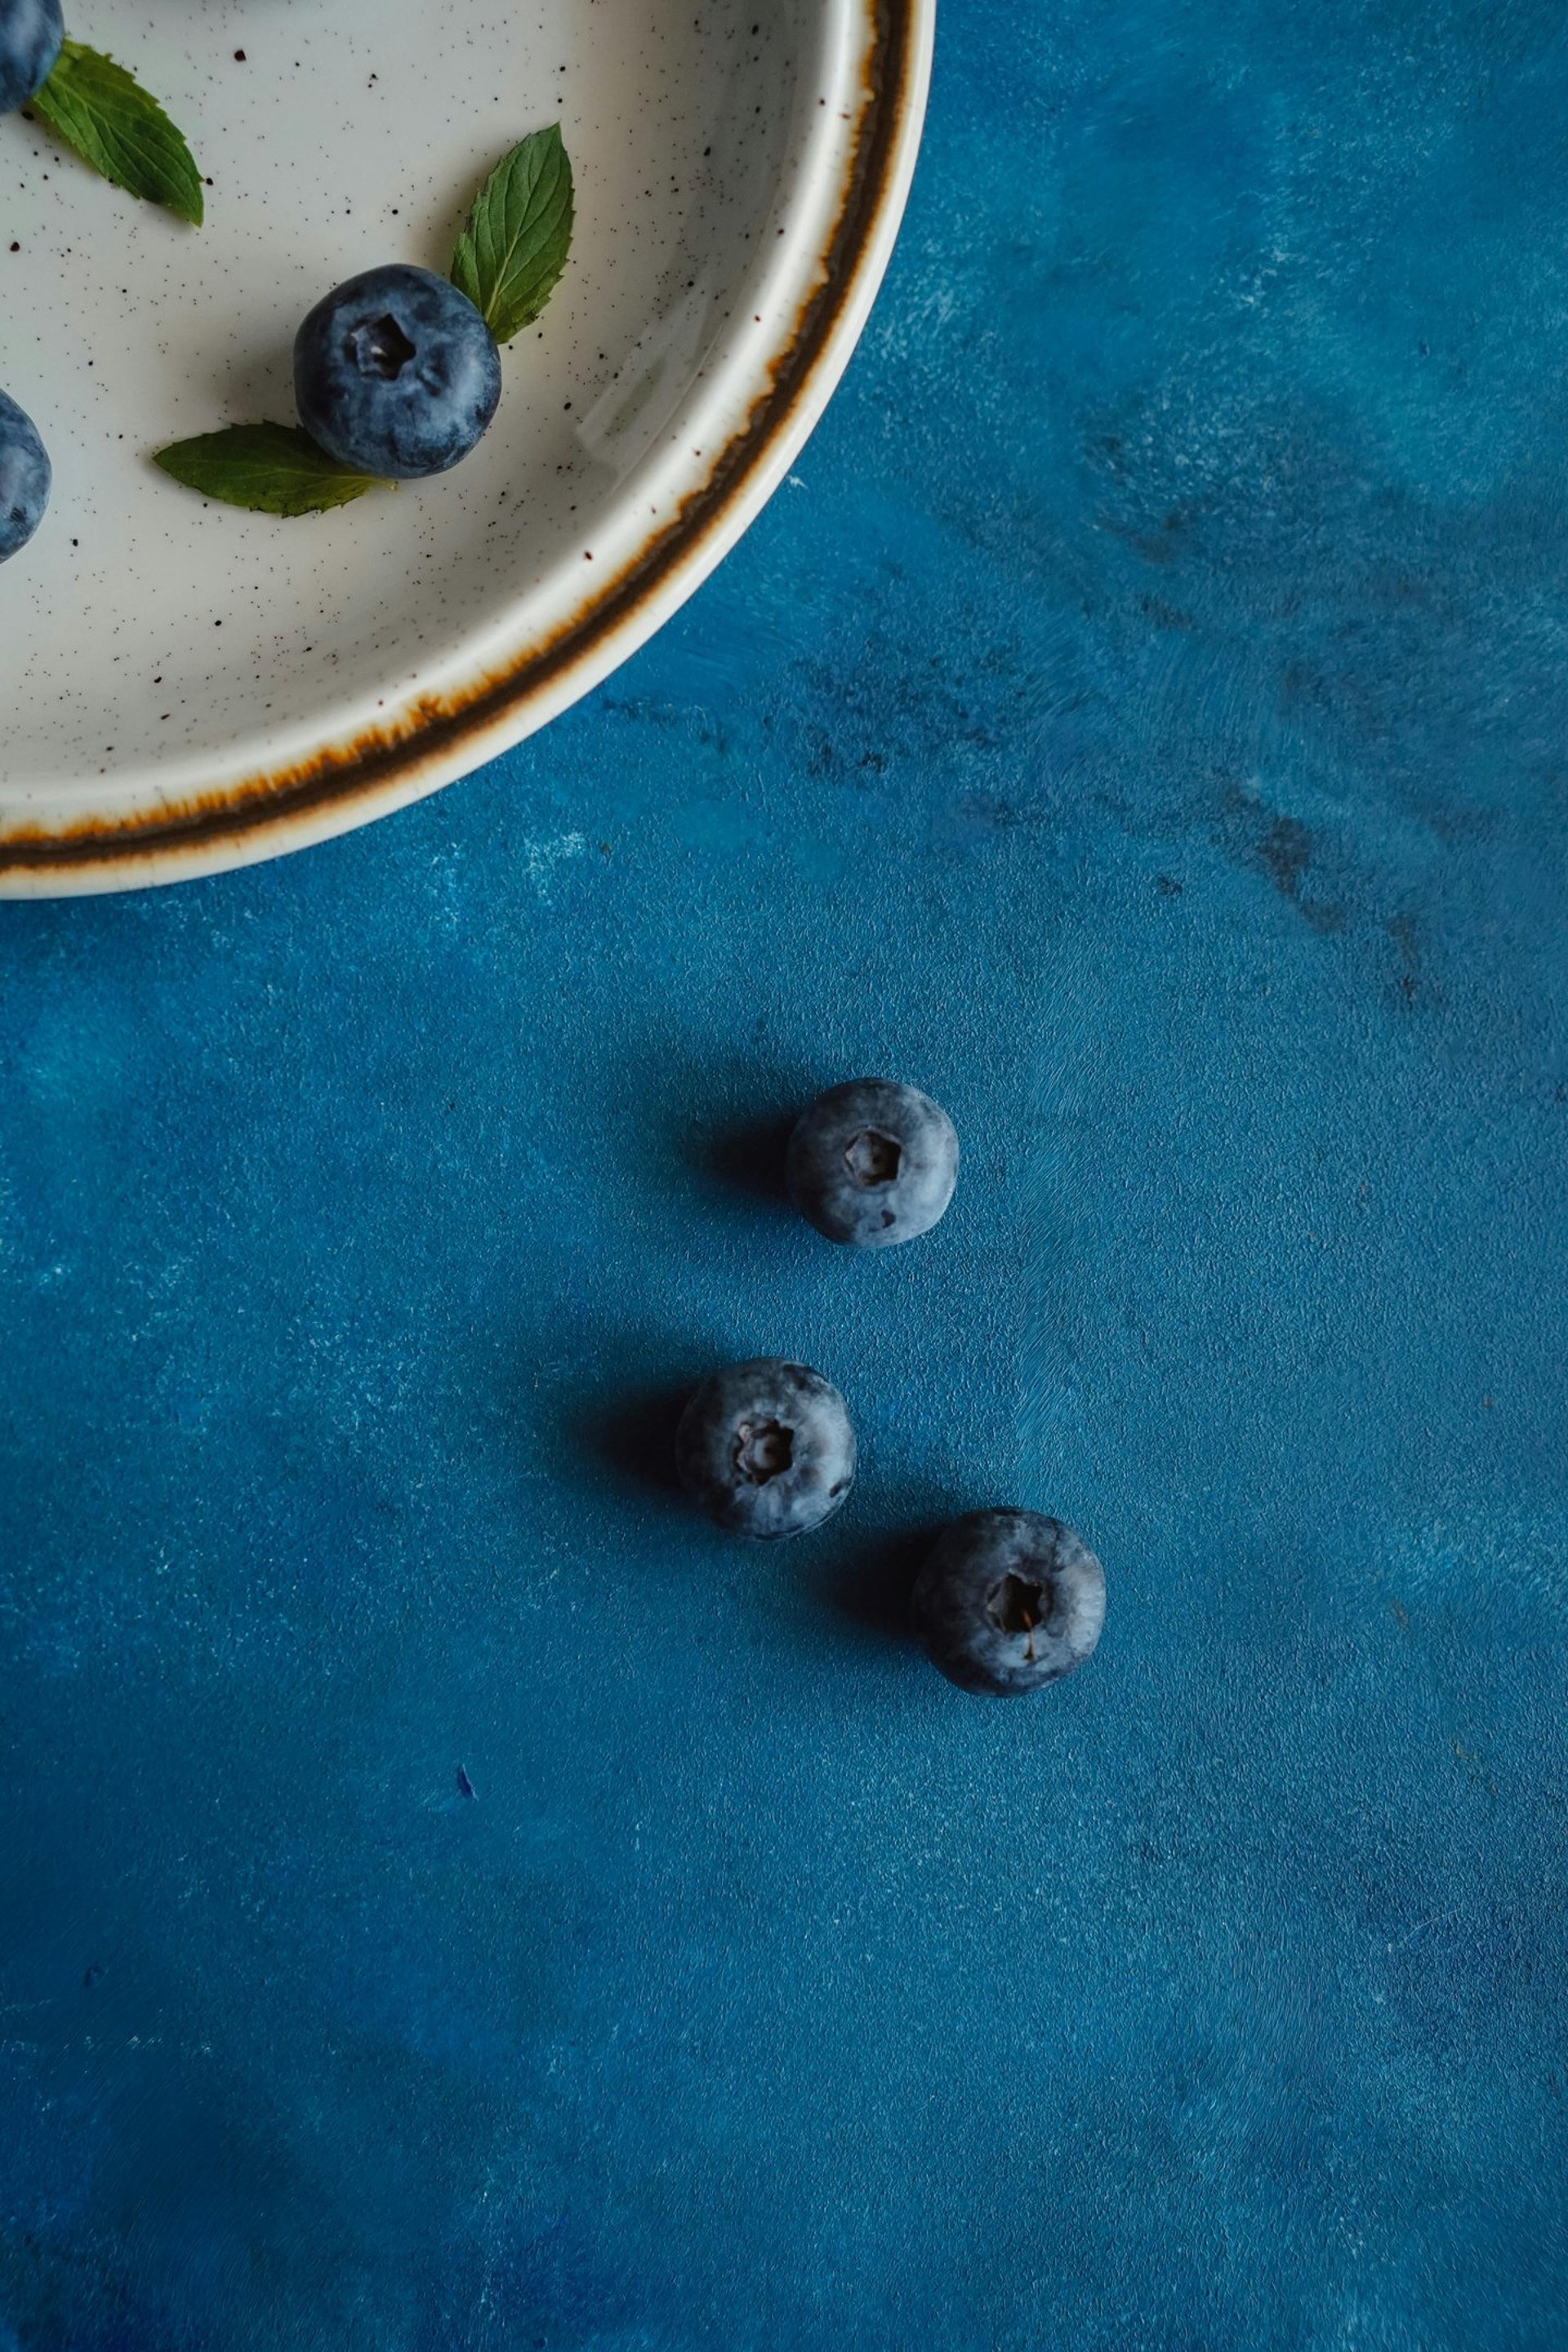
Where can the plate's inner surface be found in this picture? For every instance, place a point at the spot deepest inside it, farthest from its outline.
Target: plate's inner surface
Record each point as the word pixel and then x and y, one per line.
pixel 144 630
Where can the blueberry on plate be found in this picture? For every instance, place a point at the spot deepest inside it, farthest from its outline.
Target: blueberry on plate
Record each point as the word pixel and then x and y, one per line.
pixel 1008 1601
pixel 873 1162
pixel 31 32
pixel 767 1448
pixel 396 374
pixel 25 478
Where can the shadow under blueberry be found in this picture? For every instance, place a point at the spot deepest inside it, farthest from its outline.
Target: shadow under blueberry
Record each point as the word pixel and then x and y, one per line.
pixel 633 1433
pixel 749 1157
pixel 871 1580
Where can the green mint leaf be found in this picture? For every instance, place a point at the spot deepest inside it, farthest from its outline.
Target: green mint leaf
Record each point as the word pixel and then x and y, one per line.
pixel 120 130
pixel 271 469
pixel 514 245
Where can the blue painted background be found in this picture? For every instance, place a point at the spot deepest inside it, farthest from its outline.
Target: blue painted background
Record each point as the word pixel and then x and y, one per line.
pixel 1143 722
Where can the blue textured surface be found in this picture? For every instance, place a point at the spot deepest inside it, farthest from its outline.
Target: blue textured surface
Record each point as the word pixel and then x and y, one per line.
pixel 1144 727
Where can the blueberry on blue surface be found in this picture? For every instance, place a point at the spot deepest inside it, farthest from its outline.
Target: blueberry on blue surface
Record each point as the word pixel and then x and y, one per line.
pixel 873 1162
pixel 396 374
pixel 1008 1601
pixel 31 32
pixel 25 478
pixel 767 1448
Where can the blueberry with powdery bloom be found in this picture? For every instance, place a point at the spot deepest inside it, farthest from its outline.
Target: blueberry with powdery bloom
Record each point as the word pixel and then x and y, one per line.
pixel 31 33
pixel 25 478
pixel 1008 1601
pixel 872 1163
pixel 396 374
pixel 767 1448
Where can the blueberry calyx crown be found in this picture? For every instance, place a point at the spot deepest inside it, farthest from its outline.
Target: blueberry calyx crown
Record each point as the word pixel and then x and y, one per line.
pixel 379 347
pixel 1023 1603
pixel 873 1159
pixel 763 1450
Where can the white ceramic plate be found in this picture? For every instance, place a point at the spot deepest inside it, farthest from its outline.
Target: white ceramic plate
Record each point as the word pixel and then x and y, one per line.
pixel 188 687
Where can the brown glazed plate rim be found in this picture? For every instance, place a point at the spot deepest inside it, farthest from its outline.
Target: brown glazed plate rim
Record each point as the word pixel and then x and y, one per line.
pixel 438 738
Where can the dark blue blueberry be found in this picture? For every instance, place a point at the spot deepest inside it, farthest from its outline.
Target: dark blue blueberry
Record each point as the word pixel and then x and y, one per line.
pixel 25 478
pixel 767 1448
pixel 1007 1600
pixel 396 374
pixel 31 32
pixel 873 1162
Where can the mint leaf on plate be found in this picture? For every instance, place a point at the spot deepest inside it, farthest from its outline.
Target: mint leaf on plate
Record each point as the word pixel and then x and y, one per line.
pixel 514 245
pixel 271 469
pixel 120 130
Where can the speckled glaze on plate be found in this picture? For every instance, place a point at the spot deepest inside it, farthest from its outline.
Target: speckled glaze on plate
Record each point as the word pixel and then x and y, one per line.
pixel 190 688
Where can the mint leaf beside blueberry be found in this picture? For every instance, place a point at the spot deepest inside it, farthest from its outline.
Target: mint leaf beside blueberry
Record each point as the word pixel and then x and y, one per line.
pixel 397 372
pixel 270 469
pixel 119 129
pixel 514 245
